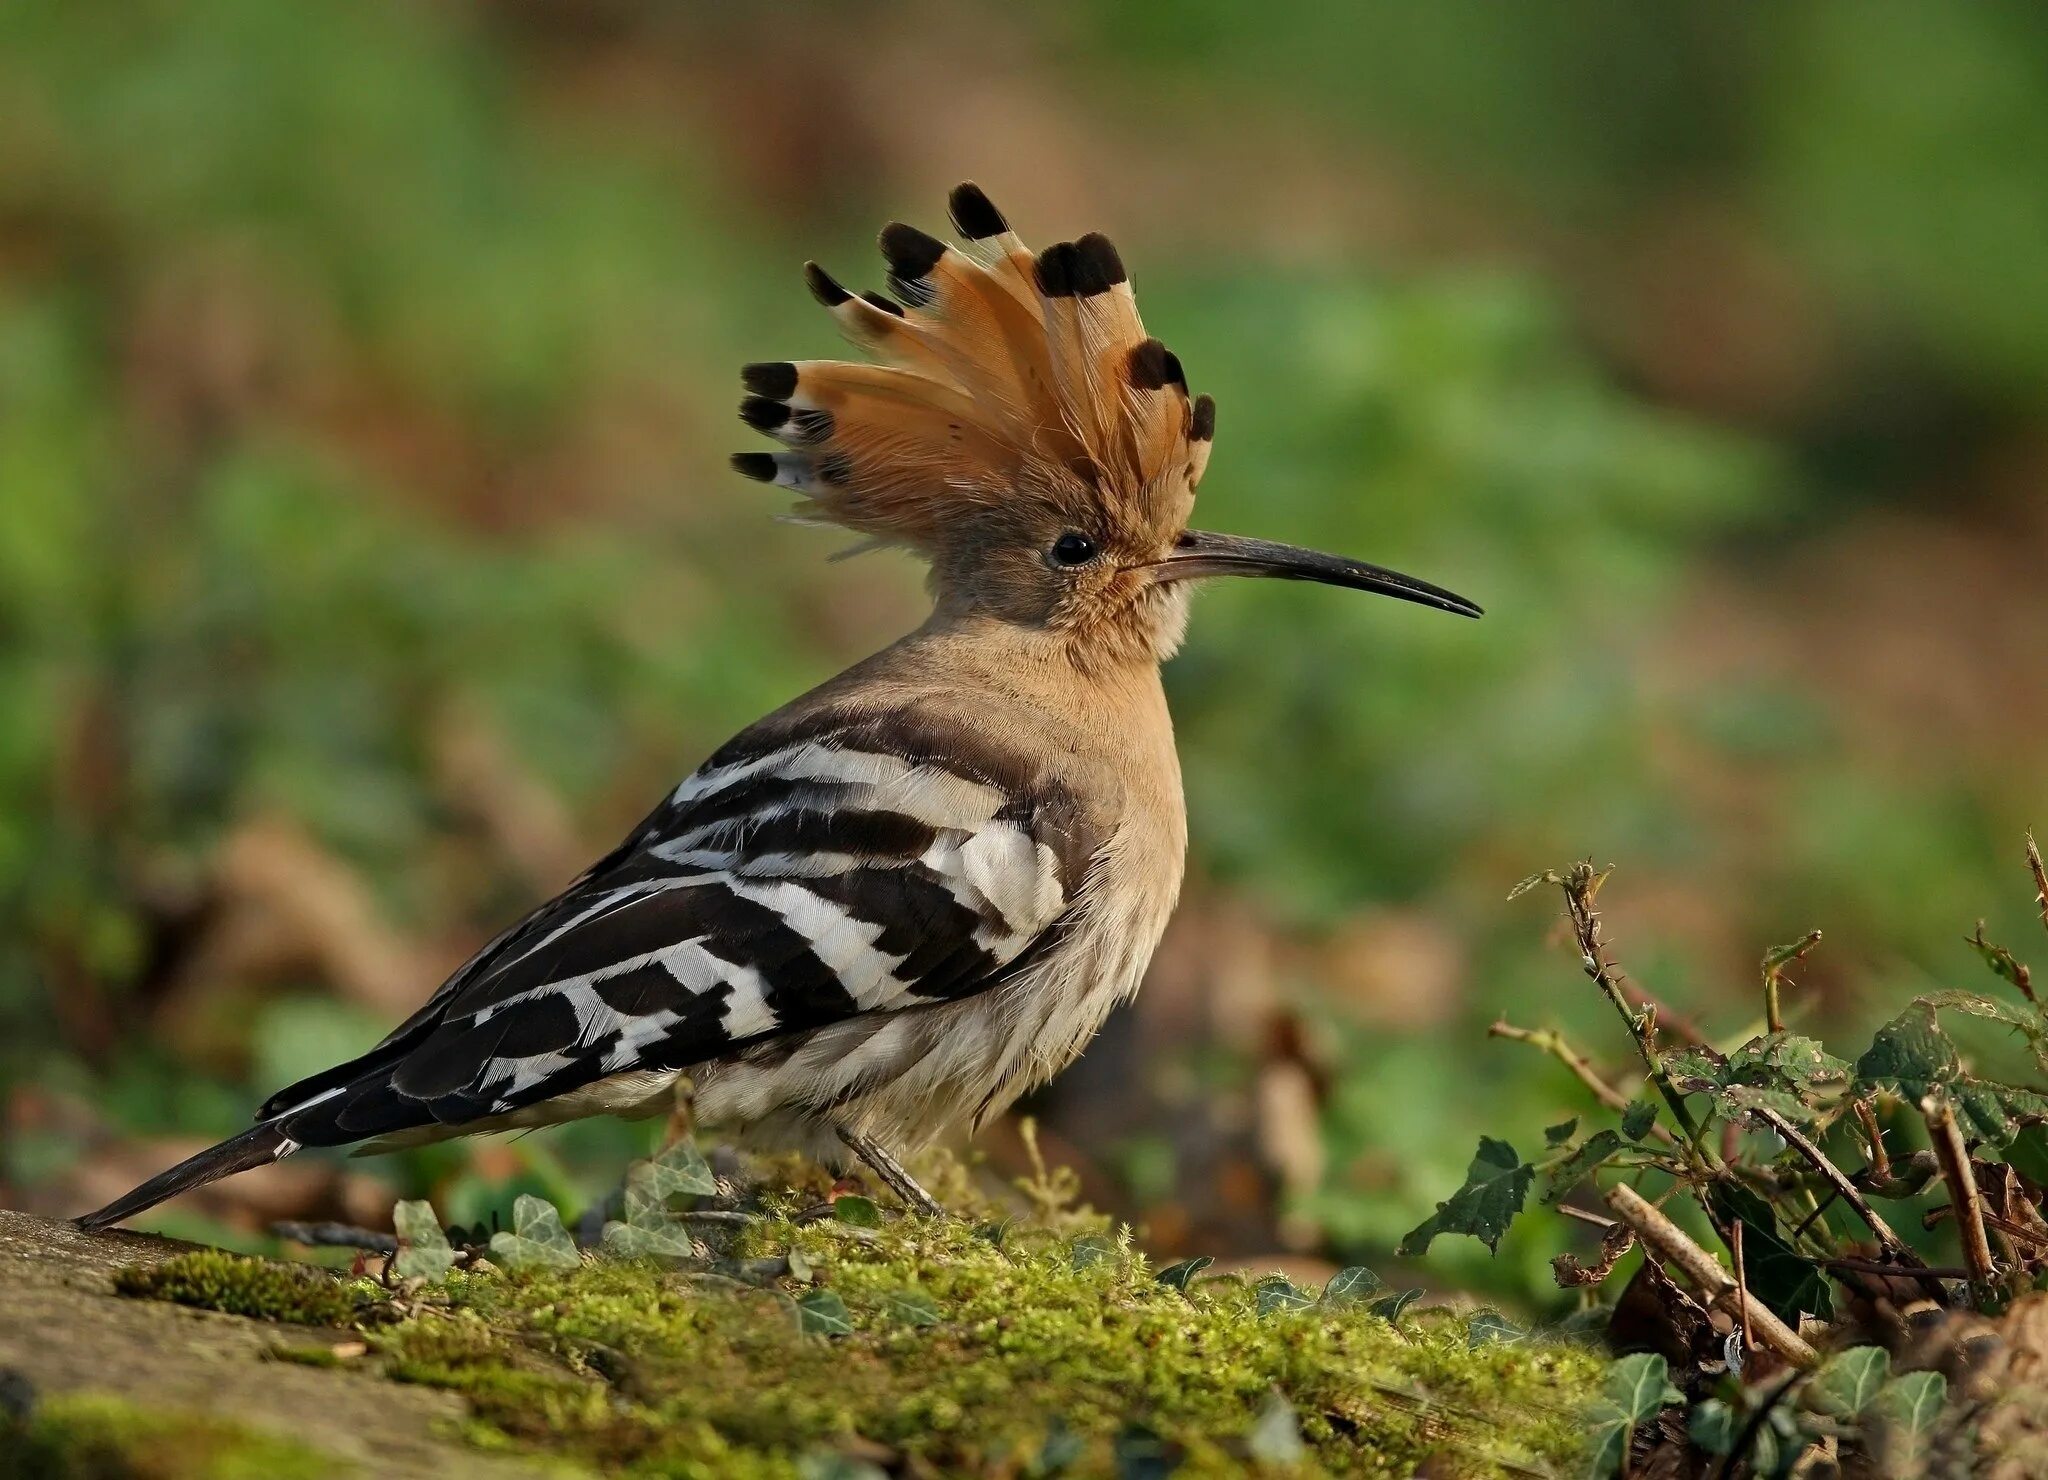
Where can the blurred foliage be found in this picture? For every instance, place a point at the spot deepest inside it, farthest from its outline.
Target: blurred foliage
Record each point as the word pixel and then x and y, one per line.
pixel 365 372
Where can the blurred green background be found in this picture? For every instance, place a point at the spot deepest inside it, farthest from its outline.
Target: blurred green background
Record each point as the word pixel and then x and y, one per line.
pixel 368 558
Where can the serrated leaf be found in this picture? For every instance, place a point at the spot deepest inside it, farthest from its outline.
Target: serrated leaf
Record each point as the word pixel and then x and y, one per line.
pixel 1275 1437
pixel 2001 961
pixel 1608 1431
pixel 1488 1327
pixel 1350 1286
pixel 1389 1307
pixel 1847 1381
pixel 1788 1284
pixel 423 1250
pixel 1911 1056
pixel 1091 1249
pixel 1557 1135
pixel 1585 1159
pixel 1637 1119
pixel 1787 1061
pixel 1912 1402
pixel 667 1240
pixel 822 1313
pixel 1636 1385
pixel 1278 1295
pixel 1713 1426
pixel 1180 1274
pixel 911 1307
pixel 1522 887
pixel 537 1239
pixel 856 1211
pixel 1496 1184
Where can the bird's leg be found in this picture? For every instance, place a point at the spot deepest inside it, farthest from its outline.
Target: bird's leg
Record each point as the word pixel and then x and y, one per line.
pixel 891 1171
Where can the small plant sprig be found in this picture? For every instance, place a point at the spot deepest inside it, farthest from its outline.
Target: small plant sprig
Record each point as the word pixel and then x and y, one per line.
pixel 1756 1147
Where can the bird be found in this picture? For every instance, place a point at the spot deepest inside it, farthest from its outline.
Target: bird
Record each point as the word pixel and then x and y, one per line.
pixel 899 902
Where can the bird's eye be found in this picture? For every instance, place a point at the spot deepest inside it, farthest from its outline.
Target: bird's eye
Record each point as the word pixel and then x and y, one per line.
pixel 1073 548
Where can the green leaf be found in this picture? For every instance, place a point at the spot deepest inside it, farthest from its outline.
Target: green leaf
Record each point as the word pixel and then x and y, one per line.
pixel 1389 1307
pixel 423 1249
pixel 1278 1295
pixel 2028 1154
pixel 1350 1286
pixel 1638 1118
pixel 677 1172
pixel 2001 961
pixel 1488 1327
pixel 856 1211
pixel 822 1313
pixel 1496 1184
pixel 1179 1275
pixel 537 1239
pixel 1547 876
pixel 1557 1135
pixel 1713 1426
pixel 1913 1057
pixel 665 1240
pixel 1912 1402
pixel 1595 1152
pixel 911 1307
pixel 1636 1385
pixel 1777 1275
pixel 1091 1249
pixel 799 1267
pixel 1275 1437
pixel 1606 1441
pixel 1847 1381
pixel 1787 1061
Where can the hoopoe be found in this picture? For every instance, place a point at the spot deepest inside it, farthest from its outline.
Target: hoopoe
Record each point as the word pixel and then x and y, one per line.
pixel 912 894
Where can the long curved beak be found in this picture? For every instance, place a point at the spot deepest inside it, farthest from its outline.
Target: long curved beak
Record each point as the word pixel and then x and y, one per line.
pixel 1197 554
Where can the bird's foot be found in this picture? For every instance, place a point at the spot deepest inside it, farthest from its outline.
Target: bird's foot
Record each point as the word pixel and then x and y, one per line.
pixel 892 1173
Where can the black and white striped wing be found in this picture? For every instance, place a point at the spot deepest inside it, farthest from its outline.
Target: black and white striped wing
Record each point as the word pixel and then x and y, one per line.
pixel 802 876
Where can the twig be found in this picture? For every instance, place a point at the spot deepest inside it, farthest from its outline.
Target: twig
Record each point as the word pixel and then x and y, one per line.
pixel 1774 966
pixel 1667 1239
pixel 1550 1041
pixel 2040 873
pixel 1742 1290
pixel 1585 1216
pixel 336 1236
pixel 1873 1266
pixel 1880 1160
pixel 1954 1158
pixel 1837 1179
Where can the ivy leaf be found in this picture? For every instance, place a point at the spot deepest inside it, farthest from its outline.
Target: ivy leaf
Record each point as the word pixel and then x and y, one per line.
pixel 822 1313
pixel 1712 1426
pixel 1278 1295
pixel 1777 1276
pixel 1638 1118
pixel 667 1240
pixel 1496 1184
pixel 1091 1249
pixel 1557 1135
pixel 1607 1441
pixel 1848 1381
pixel 537 1239
pixel 1912 1402
pixel 1488 1327
pixel 677 1172
pixel 911 1307
pixel 1639 1385
pixel 423 1249
pixel 1350 1286
pixel 1389 1307
pixel 1180 1274
pixel 856 1211
pixel 1275 1438
pixel 1588 1157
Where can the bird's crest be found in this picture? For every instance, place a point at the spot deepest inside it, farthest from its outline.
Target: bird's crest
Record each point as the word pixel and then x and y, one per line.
pixel 1001 375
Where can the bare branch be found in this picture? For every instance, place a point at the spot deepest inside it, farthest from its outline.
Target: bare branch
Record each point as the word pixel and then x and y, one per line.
pixel 1667 1239
pixel 1839 1180
pixel 1954 1158
pixel 1554 1043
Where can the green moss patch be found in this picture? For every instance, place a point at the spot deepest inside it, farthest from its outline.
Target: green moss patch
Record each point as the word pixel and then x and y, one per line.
pixel 96 1438
pixel 959 1354
pixel 242 1286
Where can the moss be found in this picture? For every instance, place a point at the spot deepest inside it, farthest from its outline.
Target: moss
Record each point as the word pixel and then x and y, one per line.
pixel 78 1437
pixel 242 1286
pixel 664 1373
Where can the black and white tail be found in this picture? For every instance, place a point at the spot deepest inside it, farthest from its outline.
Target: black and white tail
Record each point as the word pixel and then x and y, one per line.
pixel 258 1146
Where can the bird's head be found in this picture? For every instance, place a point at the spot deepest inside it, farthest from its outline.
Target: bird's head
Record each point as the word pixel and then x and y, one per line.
pixel 1025 435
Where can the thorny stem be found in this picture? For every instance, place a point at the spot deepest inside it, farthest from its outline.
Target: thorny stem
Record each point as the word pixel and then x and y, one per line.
pixel 1554 1043
pixel 2040 873
pixel 1954 1158
pixel 1880 1160
pixel 1839 1181
pixel 1580 885
pixel 1774 978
